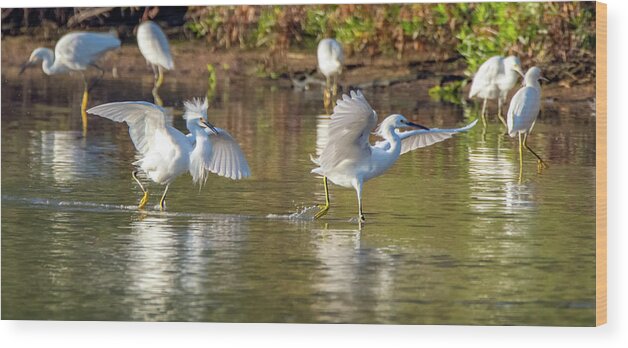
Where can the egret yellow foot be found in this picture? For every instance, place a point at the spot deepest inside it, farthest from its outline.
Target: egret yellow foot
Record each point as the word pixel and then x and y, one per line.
pixel 540 165
pixel 143 201
pixel 162 201
pixel 324 208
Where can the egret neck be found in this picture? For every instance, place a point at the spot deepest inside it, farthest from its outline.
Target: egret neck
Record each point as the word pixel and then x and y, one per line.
pixel 383 160
pixel 48 58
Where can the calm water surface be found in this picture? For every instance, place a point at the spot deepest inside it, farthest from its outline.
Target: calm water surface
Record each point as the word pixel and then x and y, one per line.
pixel 451 237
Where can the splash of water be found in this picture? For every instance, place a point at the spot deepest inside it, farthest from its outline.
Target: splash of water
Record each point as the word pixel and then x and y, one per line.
pixel 303 213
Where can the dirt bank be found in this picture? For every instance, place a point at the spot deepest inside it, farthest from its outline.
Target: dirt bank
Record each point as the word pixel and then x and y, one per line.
pixel 191 59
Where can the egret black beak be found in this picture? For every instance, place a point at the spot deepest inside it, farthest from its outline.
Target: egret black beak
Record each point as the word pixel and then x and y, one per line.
pixel 412 124
pixel 23 67
pixel 517 68
pixel 210 126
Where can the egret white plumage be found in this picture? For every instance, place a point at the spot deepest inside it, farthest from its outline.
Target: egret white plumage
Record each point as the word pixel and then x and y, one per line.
pixel 349 159
pixel 523 111
pixel 154 46
pixel 330 59
pixel 75 52
pixel 166 153
pixel 494 79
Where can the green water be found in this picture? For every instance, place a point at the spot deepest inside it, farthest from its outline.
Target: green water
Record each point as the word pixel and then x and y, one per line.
pixel 451 236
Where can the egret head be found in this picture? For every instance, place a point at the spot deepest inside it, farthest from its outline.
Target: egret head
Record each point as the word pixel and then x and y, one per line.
pixel 534 75
pixel 397 121
pixel 196 114
pixel 402 122
pixel 513 63
pixel 38 55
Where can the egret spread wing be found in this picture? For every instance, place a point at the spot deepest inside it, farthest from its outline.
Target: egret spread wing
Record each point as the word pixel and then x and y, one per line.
pixel 523 110
pixel 486 76
pixel 226 158
pixel 79 50
pixel 143 118
pixel 351 123
pixel 414 139
pixel 154 45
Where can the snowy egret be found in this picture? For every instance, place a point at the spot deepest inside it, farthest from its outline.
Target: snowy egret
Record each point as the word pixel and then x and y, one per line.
pixel 523 111
pixel 75 52
pixel 349 159
pixel 330 60
pixel 494 80
pixel 153 45
pixel 167 153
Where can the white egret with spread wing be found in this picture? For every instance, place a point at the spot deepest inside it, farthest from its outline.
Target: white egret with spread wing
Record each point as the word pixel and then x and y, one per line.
pixel 330 59
pixel 75 51
pixel 166 153
pixel 523 111
pixel 494 79
pixel 153 45
pixel 349 159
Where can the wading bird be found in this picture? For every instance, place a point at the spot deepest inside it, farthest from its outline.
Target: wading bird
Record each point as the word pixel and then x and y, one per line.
pixel 75 52
pixel 330 60
pixel 349 159
pixel 167 153
pixel 154 46
pixel 494 80
pixel 523 111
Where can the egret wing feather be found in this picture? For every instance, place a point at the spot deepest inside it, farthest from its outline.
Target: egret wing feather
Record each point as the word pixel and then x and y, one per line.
pixel 414 139
pixel 154 46
pixel 80 49
pixel 226 157
pixel 143 118
pixel 523 110
pixel 486 78
pixel 351 123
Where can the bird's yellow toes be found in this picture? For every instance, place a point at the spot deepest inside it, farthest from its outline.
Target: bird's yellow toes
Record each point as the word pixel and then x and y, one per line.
pixel 143 201
pixel 322 212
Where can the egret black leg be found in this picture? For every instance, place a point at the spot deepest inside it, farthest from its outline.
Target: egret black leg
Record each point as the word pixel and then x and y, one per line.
pixel 500 102
pixel 540 163
pixel 162 201
pixel 97 80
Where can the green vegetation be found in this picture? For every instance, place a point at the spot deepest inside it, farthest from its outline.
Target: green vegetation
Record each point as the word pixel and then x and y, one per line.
pixel 537 32
pixel 449 92
pixel 211 82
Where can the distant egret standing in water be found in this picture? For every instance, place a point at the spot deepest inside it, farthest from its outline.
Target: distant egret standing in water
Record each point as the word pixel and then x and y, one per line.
pixel 330 60
pixel 167 153
pixel 154 46
pixel 75 52
pixel 349 159
pixel 494 79
pixel 523 111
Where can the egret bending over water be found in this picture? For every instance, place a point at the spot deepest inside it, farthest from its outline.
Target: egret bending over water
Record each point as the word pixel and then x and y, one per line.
pixel 523 111
pixel 330 60
pixel 75 52
pixel 494 80
pixel 167 153
pixel 154 47
pixel 349 159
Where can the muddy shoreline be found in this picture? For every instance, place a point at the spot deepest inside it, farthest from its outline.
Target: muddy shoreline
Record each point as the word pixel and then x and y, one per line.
pixel 192 57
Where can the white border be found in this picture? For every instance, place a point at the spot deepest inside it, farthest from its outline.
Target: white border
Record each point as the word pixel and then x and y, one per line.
pixel 614 334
